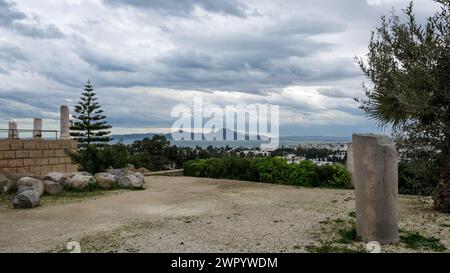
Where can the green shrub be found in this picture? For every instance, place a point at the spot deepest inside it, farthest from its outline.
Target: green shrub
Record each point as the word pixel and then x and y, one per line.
pixel 269 170
pixel 95 159
pixel 273 170
pixel 334 176
pixel 304 174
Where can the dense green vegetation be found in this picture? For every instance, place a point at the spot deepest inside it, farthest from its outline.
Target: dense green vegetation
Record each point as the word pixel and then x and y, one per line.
pixel 155 154
pixel 311 153
pixel 417 177
pixel 270 170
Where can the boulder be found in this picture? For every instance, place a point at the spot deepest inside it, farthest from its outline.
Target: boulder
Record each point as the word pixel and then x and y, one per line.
pixel 55 177
pixel 52 187
pixel 130 167
pixel 139 175
pixel 106 180
pixel 23 188
pixel 143 170
pixel 14 177
pixel 131 182
pixel 118 172
pixel 79 181
pixel 36 184
pixel 26 199
pixel 79 173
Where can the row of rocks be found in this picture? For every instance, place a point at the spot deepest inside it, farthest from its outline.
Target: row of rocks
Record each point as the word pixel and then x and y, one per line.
pixel 30 188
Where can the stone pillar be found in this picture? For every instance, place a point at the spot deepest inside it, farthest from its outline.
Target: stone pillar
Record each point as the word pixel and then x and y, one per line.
pixel 64 119
pixel 376 186
pixel 12 130
pixel 37 128
pixel 350 161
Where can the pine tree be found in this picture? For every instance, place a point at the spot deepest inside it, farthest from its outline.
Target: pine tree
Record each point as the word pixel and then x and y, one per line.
pixel 89 126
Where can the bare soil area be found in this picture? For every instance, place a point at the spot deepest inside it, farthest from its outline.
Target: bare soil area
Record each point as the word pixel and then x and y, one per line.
pixel 185 214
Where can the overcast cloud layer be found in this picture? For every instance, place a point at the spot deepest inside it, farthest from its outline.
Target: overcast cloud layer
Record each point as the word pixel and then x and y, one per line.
pixel 145 56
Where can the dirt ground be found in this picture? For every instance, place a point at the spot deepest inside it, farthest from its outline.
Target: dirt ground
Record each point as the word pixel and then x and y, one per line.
pixel 185 214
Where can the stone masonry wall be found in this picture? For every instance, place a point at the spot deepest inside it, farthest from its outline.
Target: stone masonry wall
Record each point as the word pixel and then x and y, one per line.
pixel 36 156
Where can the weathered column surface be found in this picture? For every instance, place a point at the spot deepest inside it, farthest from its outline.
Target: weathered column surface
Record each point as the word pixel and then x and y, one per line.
pixel 12 130
pixel 376 187
pixel 64 119
pixel 350 161
pixel 37 128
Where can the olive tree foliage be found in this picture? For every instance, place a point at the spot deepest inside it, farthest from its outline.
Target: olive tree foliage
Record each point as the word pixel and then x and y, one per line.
pixel 408 68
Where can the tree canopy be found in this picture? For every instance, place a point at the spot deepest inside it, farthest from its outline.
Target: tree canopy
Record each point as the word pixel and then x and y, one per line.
pixel 408 65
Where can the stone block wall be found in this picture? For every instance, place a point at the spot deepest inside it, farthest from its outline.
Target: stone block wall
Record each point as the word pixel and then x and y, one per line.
pixel 36 156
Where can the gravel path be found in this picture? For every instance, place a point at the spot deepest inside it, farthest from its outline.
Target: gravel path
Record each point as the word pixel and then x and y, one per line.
pixel 184 214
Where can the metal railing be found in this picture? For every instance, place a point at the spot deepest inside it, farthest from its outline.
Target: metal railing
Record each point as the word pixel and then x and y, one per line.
pixel 17 133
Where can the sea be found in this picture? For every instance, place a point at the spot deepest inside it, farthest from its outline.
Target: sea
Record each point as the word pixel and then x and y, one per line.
pixel 247 144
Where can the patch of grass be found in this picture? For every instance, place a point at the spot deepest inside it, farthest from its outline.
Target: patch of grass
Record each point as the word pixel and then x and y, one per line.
pixel 416 241
pixel 352 214
pixel 328 247
pixel 111 241
pixel 339 221
pixel 444 225
pixel 348 235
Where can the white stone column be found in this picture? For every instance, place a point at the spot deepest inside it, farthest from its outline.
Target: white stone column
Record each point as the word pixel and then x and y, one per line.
pixel 37 128
pixel 64 120
pixel 376 186
pixel 12 130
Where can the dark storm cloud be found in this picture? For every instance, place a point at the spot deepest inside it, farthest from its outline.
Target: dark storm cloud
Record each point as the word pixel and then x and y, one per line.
pixel 11 53
pixel 9 13
pixel 275 55
pixel 185 8
pixel 36 30
pixel 13 19
pixel 103 62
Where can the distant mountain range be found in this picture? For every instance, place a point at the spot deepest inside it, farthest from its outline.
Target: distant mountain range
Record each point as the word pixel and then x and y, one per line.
pixel 130 138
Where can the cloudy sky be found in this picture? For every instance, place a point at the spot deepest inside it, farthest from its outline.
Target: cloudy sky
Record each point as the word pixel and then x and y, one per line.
pixel 145 56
